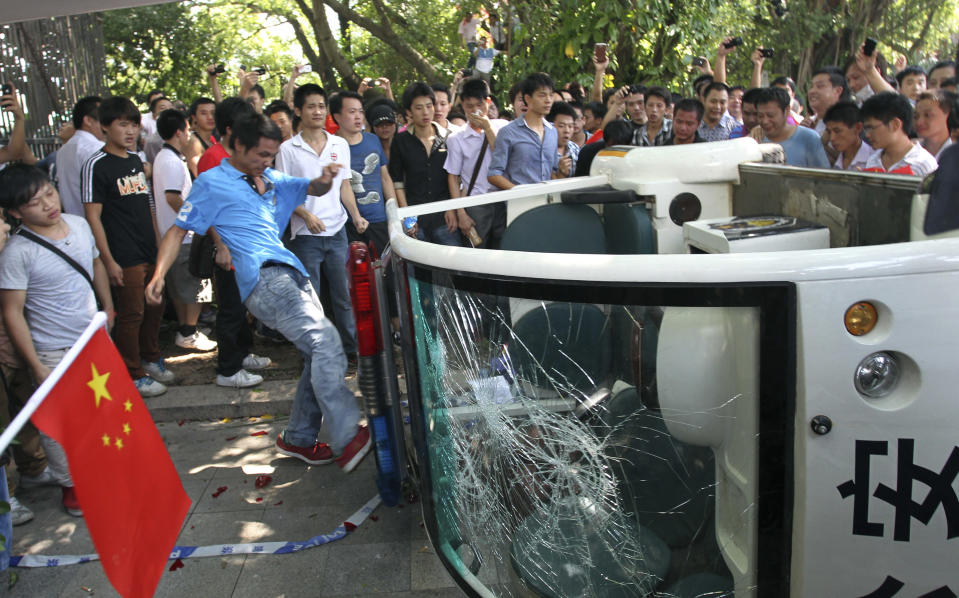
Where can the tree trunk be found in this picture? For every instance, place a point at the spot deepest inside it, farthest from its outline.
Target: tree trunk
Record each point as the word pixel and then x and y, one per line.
pixel 384 31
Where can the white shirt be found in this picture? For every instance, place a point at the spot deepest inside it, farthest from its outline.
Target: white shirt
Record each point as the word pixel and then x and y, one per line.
pixel 859 161
pixel 170 173
pixel 462 149
pixel 298 158
pixel 70 159
pixel 916 162
pixel 148 124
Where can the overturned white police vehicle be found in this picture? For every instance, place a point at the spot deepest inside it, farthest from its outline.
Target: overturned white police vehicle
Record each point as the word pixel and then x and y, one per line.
pixel 689 374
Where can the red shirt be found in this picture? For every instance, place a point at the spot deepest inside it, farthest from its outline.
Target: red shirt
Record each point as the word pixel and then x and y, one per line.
pixel 211 158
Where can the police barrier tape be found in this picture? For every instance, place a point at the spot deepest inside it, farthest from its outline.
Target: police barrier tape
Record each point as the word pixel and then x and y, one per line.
pixel 184 552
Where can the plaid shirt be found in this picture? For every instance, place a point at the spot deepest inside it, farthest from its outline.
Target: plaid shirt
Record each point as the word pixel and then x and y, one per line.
pixel 640 135
pixel 721 131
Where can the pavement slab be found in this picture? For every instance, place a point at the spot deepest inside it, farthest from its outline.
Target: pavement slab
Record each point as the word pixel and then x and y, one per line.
pixel 388 555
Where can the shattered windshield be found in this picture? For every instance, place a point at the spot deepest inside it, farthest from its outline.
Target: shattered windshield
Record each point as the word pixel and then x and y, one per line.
pixel 578 448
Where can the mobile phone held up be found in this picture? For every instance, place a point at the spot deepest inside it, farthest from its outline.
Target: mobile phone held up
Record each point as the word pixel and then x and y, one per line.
pixel 736 41
pixel 6 90
pixel 599 52
pixel 869 47
pixel 306 68
pixel 767 52
pixel 698 61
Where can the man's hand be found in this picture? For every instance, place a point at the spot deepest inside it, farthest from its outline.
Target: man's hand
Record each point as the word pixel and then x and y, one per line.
pixel 313 224
pixel 329 172
pixel 222 257
pixel 757 57
pixel 211 71
pixel 452 222
pixel 66 131
pixel 704 68
pixel 865 63
pixel 364 85
pixel 617 101
pixel 600 66
pixel 360 223
pixel 479 121
pixel 154 291
pixel 565 163
pixel 901 63
pixel 757 133
pixel 464 221
pixel 111 319
pixel 40 373
pixel 385 84
pixel 12 105
pixel 296 71
pixel 115 273
pixel 723 50
pixel 411 231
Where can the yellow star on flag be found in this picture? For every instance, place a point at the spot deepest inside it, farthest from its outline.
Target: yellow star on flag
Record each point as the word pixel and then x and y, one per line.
pixel 106 439
pixel 99 385
pixel 127 405
pixel 126 429
pixel 119 443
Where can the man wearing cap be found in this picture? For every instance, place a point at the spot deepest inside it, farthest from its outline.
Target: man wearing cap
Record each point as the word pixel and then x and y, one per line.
pixel 317 231
pixel 383 122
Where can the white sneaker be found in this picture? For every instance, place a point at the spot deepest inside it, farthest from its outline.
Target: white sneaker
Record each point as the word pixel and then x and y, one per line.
pixel 19 513
pixel 157 370
pixel 46 478
pixel 148 387
pixel 241 379
pixel 196 341
pixel 256 362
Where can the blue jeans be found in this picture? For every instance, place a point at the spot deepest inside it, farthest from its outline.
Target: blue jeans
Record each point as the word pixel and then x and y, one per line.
pixel 325 259
pixel 441 236
pixel 284 300
pixel 6 525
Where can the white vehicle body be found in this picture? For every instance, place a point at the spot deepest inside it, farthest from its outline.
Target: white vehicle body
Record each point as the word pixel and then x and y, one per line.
pixel 858 522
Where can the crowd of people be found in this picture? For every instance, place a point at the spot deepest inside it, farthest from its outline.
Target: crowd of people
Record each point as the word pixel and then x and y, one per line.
pixel 255 203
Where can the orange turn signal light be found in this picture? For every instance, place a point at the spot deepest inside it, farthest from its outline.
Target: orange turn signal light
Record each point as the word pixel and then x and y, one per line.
pixel 861 318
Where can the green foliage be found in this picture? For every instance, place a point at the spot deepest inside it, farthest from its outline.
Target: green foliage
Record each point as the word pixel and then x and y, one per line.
pixel 169 46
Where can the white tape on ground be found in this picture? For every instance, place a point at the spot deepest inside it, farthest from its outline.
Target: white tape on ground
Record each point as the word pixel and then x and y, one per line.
pixel 189 552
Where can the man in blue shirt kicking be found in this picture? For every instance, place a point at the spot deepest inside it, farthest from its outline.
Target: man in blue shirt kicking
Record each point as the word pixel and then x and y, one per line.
pixel 249 205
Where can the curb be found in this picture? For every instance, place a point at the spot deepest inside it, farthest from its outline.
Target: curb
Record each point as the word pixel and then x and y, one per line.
pixel 208 401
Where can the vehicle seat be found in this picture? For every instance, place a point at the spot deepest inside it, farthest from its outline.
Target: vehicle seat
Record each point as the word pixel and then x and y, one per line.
pixel 568 342
pixel 556 228
pixel 628 228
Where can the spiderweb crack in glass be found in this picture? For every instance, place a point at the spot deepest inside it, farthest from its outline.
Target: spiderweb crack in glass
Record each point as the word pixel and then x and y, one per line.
pixel 552 465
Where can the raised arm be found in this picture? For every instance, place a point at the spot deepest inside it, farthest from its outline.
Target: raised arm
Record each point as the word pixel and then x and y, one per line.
pixel 757 59
pixel 867 64
pixel 214 83
pixel 17 148
pixel 599 79
pixel 719 73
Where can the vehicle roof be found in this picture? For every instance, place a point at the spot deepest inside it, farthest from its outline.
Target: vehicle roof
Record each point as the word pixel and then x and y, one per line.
pixel 13 12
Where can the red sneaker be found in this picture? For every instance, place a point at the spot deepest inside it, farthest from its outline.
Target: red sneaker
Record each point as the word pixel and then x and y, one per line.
pixel 70 502
pixel 355 450
pixel 318 454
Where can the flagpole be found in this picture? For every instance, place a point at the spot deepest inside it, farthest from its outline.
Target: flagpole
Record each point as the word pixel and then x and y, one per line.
pixel 99 321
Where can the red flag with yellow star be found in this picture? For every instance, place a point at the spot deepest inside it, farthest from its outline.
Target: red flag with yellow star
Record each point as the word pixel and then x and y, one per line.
pixel 129 491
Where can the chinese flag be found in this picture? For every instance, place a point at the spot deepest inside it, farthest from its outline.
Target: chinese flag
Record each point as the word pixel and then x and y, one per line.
pixel 129 491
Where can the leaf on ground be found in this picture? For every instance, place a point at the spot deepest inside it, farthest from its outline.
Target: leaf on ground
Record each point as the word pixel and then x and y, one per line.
pixel 219 491
pixel 177 564
pixel 260 433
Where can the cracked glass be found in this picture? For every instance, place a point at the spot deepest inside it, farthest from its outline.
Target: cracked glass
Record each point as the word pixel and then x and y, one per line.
pixel 589 449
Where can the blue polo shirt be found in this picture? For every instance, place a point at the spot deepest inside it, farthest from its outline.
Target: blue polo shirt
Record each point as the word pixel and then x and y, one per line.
pixel 248 223
pixel 521 157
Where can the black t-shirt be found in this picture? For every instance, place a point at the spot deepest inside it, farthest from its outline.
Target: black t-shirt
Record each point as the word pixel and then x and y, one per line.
pixel 423 178
pixel 121 186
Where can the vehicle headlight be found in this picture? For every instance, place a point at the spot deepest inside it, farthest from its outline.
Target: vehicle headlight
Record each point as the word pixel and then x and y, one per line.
pixel 877 375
